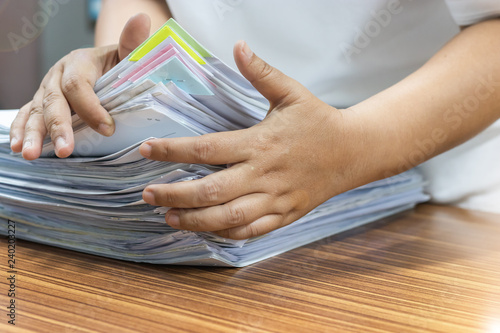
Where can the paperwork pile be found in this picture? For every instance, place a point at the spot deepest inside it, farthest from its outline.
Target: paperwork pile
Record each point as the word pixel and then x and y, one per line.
pixel 170 86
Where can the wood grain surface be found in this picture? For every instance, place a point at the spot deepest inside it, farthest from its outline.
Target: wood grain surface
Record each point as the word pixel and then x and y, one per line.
pixel 436 269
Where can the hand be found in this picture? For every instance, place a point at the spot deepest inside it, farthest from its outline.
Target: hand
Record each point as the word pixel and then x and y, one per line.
pixel 303 153
pixel 69 86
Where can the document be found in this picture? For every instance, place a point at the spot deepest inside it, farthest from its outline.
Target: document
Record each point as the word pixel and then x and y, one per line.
pixel 170 86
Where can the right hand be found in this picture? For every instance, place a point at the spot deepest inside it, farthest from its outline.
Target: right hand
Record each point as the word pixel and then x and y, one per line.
pixel 69 86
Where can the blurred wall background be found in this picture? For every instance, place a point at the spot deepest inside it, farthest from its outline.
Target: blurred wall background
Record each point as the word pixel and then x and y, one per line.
pixel 35 34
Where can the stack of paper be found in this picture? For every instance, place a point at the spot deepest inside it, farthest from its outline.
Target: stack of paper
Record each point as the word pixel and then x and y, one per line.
pixel 168 87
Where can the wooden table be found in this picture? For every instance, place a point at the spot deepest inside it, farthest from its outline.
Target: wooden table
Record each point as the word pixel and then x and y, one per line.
pixel 436 269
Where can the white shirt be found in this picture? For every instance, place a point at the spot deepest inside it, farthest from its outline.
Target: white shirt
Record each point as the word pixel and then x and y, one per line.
pixel 345 51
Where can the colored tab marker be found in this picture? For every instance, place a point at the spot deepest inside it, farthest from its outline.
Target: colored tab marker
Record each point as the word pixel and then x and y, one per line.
pixel 167 31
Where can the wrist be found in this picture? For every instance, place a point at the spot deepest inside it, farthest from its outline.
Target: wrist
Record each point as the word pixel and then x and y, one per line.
pixel 374 145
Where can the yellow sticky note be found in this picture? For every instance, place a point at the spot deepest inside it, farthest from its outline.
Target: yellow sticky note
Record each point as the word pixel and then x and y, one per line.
pixel 159 36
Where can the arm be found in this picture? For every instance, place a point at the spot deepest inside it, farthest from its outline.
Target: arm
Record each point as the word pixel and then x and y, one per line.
pixel 115 13
pixel 453 97
pixel 305 151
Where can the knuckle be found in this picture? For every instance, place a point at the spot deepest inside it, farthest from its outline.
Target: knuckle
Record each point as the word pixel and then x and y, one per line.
pixel 265 141
pixel 235 216
pixel 161 150
pixel 252 230
pixel 50 99
pixel 54 126
pixel 209 192
pixel 71 83
pixel 167 198
pixel 76 53
pixel 30 128
pixel 266 71
pixel 245 232
pixel 194 222
pixel 56 69
pixel 203 149
pixel 36 110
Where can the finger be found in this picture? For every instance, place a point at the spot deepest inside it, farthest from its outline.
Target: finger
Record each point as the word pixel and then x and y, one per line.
pixel 57 116
pixel 214 189
pixel 35 131
pixel 17 128
pixel 256 228
pixel 135 32
pixel 270 82
pixel 77 82
pixel 240 211
pixel 214 148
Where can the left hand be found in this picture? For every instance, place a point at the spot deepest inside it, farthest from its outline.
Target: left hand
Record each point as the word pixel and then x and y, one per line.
pixel 69 86
pixel 303 153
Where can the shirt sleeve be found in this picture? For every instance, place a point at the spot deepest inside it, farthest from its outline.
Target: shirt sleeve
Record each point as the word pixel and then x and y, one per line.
pixel 467 12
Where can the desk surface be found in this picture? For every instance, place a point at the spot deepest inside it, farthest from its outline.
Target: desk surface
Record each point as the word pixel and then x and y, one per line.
pixel 433 269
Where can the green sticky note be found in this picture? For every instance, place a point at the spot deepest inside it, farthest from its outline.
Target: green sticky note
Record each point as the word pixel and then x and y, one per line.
pixel 188 38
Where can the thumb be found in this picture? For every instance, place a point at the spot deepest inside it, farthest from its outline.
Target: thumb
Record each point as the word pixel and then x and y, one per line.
pixel 275 86
pixel 135 32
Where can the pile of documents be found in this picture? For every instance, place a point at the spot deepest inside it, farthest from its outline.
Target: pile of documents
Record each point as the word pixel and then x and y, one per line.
pixel 170 86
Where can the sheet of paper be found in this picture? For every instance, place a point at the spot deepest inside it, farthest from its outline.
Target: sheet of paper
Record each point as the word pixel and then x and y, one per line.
pixel 170 86
pixel 7 117
pixel 130 128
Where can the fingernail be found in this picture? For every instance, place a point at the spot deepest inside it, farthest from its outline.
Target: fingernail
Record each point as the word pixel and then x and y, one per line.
pixel 247 51
pixel 13 142
pixel 105 129
pixel 145 150
pixel 172 218
pixel 27 144
pixel 148 196
pixel 60 143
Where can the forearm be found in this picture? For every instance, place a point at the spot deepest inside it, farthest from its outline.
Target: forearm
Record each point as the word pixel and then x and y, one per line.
pixel 450 99
pixel 115 13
